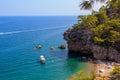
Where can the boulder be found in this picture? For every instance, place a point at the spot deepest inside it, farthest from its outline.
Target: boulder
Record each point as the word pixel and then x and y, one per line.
pixel 38 46
pixel 62 46
pixel 52 48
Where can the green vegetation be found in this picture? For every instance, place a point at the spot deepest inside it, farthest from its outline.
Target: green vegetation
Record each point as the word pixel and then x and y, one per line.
pixel 105 28
pixel 116 71
pixel 104 24
pixel 88 4
pixel 81 76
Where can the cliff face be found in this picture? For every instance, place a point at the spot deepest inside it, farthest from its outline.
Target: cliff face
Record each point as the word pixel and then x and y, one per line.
pixel 79 41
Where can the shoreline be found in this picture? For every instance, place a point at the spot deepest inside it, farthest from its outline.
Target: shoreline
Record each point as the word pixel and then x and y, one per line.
pixel 99 69
pixel 102 69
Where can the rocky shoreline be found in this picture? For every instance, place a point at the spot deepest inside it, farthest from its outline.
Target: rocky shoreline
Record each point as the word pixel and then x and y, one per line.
pixel 104 57
pixel 103 70
pixel 97 37
pixel 85 47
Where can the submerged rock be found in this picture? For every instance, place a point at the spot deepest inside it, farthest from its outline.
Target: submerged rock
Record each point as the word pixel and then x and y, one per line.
pixel 52 48
pixel 62 46
pixel 38 47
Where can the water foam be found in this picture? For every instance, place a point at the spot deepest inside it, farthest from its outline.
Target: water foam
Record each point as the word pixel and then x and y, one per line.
pixel 15 32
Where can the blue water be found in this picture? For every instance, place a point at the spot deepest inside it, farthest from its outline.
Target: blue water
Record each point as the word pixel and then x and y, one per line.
pixel 18 58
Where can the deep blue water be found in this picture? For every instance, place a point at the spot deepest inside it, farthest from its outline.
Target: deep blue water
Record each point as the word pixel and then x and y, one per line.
pixel 18 58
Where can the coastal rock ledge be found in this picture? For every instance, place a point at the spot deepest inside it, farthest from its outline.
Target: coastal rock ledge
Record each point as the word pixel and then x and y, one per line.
pixel 79 43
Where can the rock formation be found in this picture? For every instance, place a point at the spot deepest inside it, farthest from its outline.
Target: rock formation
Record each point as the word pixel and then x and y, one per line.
pixel 62 46
pixel 79 41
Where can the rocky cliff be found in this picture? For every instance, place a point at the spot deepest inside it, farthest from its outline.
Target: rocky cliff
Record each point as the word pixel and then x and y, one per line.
pixel 79 41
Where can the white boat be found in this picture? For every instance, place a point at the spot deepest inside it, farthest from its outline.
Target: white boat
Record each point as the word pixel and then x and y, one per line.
pixel 42 59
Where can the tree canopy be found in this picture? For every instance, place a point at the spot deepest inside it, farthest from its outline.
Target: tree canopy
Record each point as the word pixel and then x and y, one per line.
pixel 104 24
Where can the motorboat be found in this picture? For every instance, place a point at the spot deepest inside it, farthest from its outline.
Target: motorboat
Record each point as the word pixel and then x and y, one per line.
pixel 42 59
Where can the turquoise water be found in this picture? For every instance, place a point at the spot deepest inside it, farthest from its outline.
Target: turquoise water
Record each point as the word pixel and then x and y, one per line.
pixel 18 58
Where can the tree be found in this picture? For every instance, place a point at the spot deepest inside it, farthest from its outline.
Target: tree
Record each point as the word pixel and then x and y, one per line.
pixel 104 28
pixel 113 7
pixel 88 4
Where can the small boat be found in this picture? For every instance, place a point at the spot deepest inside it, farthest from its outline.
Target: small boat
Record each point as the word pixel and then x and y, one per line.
pixel 42 59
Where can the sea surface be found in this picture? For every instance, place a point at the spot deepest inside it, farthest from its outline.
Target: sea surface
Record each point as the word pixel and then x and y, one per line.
pixel 19 60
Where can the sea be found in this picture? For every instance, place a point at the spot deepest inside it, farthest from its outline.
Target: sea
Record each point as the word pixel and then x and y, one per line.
pixel 19 60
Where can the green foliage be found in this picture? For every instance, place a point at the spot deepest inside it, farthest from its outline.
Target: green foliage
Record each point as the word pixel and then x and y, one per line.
pixel 103 8
pixel 105 28
pixel 114 23
pixel 104 24
pixel 102 17
pixel 98 30
pixel 88 21
pixel 113 9
pixel 114 36
pixel 88 4
pixel 76 25
pixel 108 32
pixel 81 73
pixel 115 71
pixel 98 40
pixel 81 76
pixel 91 21
pixel 92 76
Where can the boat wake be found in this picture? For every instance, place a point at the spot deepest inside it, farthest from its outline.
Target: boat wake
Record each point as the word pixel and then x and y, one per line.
pixel 15 32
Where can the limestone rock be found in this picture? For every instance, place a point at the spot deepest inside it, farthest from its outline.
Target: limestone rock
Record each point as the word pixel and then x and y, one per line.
pixel 99 52
pixel 79 40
